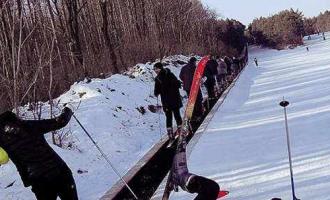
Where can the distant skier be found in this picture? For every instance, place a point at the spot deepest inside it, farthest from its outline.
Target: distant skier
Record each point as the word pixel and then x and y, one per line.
pixel 307 48
pixel 167 86
pixel 323 35
pixel 256 61
pixel 206 189
pixel 187 76
pixel 36 162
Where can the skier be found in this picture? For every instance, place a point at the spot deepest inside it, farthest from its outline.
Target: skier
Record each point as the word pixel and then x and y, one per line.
pixel 323 35
pixel 180 176
pixel 256 61
pixel 187 76
pixel 167 86
pixel 37 163
pixel 210 72
pixel 307 48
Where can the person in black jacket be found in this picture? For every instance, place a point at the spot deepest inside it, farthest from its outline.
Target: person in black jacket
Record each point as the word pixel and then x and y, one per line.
pixel 210 72
pixel 37 163
pixel 187 76
pixel 167 86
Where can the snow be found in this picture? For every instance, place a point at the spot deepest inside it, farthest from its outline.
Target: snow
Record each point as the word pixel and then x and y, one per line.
pixel 107 109
pixel 246 142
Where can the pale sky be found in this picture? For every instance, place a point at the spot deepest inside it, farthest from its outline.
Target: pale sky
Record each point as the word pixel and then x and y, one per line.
pixel 246 10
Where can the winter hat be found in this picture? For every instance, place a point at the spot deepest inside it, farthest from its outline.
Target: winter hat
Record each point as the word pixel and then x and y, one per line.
pixel 3 156
pixel 192 59
pixel 158 65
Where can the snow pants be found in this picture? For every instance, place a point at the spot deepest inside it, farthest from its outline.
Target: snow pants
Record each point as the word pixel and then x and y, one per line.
pixel 207 189
pixel 169 117
pixel 62 186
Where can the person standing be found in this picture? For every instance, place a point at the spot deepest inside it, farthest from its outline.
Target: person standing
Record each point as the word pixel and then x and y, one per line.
pixel 187 75
pixel 222 72
pixel 167 86
pixel 210 73
pixel 37 163
pixel 256 61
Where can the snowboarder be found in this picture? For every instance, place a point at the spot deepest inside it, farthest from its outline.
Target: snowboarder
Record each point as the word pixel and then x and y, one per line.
pixel 180 176
pixel 37 163
pixel 187 76
pixel 167 86
pixel 256 61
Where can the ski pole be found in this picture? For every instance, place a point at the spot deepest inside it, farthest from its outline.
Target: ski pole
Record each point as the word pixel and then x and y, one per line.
pixel 284 104
pixel 160 128
pixel 105 157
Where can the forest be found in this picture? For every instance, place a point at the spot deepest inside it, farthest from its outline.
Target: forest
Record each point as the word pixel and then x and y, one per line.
pixel 45 46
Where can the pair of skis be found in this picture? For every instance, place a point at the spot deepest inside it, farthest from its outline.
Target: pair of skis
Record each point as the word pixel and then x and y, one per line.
pixel 185 130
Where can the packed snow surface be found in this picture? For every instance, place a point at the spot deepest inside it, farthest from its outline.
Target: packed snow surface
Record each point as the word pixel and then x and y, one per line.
pixel 244 148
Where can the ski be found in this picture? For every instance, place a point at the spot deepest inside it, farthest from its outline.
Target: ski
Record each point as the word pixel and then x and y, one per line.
pixel 188 114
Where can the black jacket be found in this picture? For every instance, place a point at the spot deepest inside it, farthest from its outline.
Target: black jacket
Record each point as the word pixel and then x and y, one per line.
pixel 187 75
pixel 26 146
pixel 167 86
pixel 211 71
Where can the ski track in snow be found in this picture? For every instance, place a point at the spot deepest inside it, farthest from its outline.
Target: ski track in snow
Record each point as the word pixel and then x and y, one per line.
pixel 245 141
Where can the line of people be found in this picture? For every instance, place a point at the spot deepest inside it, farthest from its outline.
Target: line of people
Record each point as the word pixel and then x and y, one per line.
pixel 218 74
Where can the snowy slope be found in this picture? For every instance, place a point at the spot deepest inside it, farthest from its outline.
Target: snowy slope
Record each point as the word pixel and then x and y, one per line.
pixel 107 109
pixel 246 143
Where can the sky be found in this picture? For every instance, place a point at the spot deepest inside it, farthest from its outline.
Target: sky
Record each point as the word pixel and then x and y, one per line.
pixel 246 10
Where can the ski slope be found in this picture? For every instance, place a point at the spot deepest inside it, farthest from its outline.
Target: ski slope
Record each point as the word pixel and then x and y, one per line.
pixel 244 147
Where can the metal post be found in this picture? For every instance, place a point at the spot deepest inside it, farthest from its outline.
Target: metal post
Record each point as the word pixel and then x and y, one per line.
pixel 284 104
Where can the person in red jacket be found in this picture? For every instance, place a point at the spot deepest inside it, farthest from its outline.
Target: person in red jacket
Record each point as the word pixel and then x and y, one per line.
pixel 37 163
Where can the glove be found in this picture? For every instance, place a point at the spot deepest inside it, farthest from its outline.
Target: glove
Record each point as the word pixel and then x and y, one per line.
pixel 66 114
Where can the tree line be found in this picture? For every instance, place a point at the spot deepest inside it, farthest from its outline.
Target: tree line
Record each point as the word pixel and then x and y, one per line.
pixel 47 45
pixel 277 31
pixel 320 23
pixel 286 28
